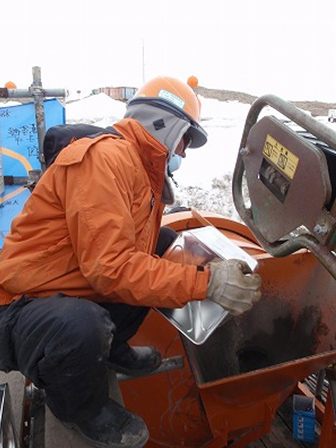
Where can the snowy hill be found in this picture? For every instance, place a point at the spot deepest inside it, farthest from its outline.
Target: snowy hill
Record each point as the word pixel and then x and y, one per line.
pixel 100 110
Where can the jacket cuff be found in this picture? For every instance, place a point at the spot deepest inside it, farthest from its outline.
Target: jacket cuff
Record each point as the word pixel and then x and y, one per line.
pixel 201 284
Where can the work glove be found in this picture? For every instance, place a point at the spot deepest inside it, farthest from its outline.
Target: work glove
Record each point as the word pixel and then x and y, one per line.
pixel 233 286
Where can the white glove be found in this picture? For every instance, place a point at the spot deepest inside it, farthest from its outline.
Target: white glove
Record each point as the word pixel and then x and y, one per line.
pixel 233 286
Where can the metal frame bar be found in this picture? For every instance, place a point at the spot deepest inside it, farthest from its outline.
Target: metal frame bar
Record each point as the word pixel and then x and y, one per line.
pixel 328 433
pixel 8 435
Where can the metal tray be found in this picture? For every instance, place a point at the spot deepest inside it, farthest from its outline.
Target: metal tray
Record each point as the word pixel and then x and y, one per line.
pixel 198 319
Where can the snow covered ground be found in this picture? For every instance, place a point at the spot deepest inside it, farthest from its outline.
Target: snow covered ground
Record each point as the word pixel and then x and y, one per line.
pixel 204 179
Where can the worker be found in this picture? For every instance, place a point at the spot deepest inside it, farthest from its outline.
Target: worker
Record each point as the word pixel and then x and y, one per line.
pixel 79 272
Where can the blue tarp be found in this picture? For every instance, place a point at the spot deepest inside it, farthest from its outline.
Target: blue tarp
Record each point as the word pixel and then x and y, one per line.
pixel 20 149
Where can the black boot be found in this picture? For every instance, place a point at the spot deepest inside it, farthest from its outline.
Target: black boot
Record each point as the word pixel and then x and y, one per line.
pixel 112 427
pixel 133 360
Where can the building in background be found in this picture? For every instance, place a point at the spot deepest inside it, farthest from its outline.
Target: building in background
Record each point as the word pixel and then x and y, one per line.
pixel 117 93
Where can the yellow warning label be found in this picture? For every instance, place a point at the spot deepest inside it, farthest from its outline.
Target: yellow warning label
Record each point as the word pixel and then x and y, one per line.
pixel 282 157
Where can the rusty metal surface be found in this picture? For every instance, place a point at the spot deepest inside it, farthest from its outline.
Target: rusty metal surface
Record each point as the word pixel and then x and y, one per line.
pixel 237 380
pixel 252 363
pixel 295 319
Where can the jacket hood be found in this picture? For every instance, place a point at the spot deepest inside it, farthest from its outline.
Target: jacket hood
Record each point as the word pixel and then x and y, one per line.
pixel 165 127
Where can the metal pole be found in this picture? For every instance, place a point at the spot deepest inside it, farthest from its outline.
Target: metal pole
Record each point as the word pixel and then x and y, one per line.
pixel 37 94
pixel 27 93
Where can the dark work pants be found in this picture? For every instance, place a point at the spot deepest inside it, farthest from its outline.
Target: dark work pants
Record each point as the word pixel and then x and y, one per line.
pixel 62 343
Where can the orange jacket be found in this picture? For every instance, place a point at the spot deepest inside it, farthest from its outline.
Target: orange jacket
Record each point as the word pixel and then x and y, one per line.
pixel 90 227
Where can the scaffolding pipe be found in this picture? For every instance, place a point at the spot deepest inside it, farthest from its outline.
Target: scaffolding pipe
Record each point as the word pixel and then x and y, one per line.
pixel 36 92
pixel 28 93
pixel 39 112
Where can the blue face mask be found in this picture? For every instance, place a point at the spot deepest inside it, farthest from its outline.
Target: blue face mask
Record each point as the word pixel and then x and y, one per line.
pixel 174 163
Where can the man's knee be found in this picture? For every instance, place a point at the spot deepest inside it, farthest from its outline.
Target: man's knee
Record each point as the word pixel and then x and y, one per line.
pixel 84 326
pixel 85 320
pixel 55 331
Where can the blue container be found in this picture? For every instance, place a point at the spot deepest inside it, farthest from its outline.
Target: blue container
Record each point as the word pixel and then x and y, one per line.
pixel 304 418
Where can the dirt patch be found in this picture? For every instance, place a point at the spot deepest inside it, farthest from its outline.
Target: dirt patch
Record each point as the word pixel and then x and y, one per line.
pixel 317 108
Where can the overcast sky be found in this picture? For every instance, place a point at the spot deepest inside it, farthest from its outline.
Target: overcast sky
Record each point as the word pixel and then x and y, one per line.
pixel 284 47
